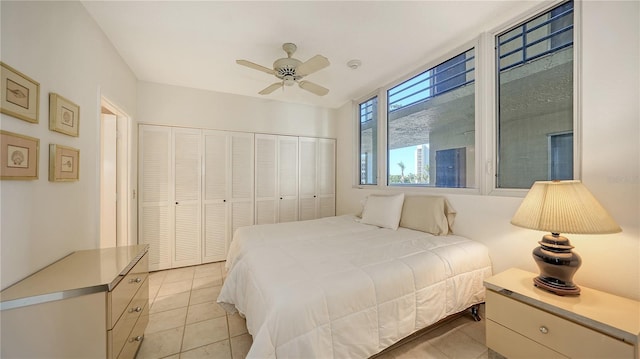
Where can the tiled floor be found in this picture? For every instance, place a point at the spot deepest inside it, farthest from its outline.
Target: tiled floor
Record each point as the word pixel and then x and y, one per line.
pixel 186 322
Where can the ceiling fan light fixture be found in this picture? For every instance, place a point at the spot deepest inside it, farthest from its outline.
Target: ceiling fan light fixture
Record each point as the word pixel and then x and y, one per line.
pixel 289 80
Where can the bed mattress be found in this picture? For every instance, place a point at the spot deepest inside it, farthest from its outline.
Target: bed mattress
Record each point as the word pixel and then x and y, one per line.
pixel 336 288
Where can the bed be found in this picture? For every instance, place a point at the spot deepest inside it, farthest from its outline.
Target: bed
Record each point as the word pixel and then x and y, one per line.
pixel 351 286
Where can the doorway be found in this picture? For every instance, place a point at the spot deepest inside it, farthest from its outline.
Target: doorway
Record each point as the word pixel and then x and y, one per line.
pixel 114 176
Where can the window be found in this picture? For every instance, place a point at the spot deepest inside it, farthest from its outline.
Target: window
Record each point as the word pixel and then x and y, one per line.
pixel 431 126
pixel 535 100
pixel 369 141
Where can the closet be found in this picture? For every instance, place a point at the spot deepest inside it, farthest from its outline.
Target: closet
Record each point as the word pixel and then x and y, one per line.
pixel 228 190
pixel 276 179
pixel 170 198
pixel 196 187
pixel 317 178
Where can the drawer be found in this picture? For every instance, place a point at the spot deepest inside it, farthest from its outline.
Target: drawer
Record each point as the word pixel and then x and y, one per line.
pixel 122 294
pixel 513 345
pixel 559 334
pixel 134 340
pixel 122 330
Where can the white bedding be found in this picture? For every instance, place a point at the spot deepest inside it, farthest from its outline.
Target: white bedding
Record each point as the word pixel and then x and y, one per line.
pixel 336 288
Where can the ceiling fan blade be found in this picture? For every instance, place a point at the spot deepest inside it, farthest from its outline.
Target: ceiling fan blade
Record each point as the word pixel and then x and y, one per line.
pixel 255 66
pixel 313 88
pixel 312 65
pixel 271 88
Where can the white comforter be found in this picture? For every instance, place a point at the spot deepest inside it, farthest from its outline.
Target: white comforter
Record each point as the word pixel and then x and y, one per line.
pixel 336 288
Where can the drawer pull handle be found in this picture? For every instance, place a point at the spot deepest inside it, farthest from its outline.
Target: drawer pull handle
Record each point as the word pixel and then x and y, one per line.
pixel 544 330
pixel 136 309
pixel 136 339
pixel 136 280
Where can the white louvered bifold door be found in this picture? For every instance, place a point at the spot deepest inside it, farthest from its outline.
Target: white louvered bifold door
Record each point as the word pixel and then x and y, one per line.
pixel 155 211
pixel 288 178
pixel 326 177
pixel 216 168
pixel 307 178
pixel 242 182
pixel 187 149
pixel 266 172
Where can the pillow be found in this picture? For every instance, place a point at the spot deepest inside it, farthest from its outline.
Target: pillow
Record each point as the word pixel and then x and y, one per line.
pixel 362 203
pixel 383 211
pixel 431 214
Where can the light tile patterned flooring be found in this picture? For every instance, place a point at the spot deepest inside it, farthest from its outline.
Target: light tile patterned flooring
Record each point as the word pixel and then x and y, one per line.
pixel 186 322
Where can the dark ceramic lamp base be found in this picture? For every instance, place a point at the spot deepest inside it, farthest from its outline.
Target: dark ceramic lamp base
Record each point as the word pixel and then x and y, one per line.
pixel 557 264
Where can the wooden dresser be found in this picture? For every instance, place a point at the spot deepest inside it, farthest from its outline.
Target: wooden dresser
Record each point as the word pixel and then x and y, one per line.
pixel 89 304
pixel 527 322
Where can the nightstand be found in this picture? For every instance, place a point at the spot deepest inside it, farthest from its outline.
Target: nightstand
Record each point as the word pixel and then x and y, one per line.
pixel 527 322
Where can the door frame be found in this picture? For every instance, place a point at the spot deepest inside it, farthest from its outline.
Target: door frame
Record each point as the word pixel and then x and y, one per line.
pixel 125 203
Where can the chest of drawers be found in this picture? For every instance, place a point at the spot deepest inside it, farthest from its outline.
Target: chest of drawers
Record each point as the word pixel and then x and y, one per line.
pixel 90 304
pixel 527 322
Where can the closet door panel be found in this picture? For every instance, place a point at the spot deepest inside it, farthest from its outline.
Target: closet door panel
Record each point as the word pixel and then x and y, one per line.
pixel 187 157
pixel 266 211
pixel 288 211
pixel 215 167
pixel 288 166
pixel 187 149
pixel 155 210
pixel 326 166
pixel 307 176
pixel 214 244
pixel 307 208
pixel 155 230
pixel 187 236
pixel 327 177
pixel 266 166
pixel 266 172
pixel 241 216
pixel 327 206
pixel 242 166
pixel 214 206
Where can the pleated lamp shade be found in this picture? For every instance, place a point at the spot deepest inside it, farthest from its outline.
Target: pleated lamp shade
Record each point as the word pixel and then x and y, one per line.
pixel 563 207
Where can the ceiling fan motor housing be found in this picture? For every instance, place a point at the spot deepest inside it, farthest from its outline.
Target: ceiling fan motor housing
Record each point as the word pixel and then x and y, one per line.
pixel 286 67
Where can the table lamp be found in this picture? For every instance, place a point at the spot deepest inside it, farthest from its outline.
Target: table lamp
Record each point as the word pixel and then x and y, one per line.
pixel 561 207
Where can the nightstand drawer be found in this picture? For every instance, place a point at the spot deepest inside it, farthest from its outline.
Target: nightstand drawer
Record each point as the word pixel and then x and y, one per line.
pixel 556 333
pixel 513 345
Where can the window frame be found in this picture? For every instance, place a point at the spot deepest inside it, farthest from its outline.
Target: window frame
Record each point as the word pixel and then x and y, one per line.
pixel 486 108
pixel 492 184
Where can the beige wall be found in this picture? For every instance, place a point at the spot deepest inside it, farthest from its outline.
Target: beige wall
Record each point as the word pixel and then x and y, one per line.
pixel 59 45
pixel 173 105
pixel 610 113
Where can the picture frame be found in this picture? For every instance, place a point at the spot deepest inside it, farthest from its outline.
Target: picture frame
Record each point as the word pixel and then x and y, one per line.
pixel 64 163
pixel 20 94
pixel 19 156
pixel 64 115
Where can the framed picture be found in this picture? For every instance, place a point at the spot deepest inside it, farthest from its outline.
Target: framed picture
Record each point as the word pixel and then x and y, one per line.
pixel 64 163
pixel 64 115
pixel 19 156
pixel 20 94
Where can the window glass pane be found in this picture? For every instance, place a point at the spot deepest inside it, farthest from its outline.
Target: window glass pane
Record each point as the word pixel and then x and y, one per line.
pixel 535 100
pixel 431 126
pixel 369 141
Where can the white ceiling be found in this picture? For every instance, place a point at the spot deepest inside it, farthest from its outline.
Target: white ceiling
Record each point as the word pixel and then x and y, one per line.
pixel 195 44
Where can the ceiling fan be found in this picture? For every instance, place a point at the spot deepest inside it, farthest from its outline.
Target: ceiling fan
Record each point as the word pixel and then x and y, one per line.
pixel 290 70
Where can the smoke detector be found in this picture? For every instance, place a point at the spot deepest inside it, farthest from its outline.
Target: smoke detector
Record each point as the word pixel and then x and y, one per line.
pixel 354 64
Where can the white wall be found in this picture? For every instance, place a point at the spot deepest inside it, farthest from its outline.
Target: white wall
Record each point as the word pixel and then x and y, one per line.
pixel 610 111
pixel 180 106
pixel 59 45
